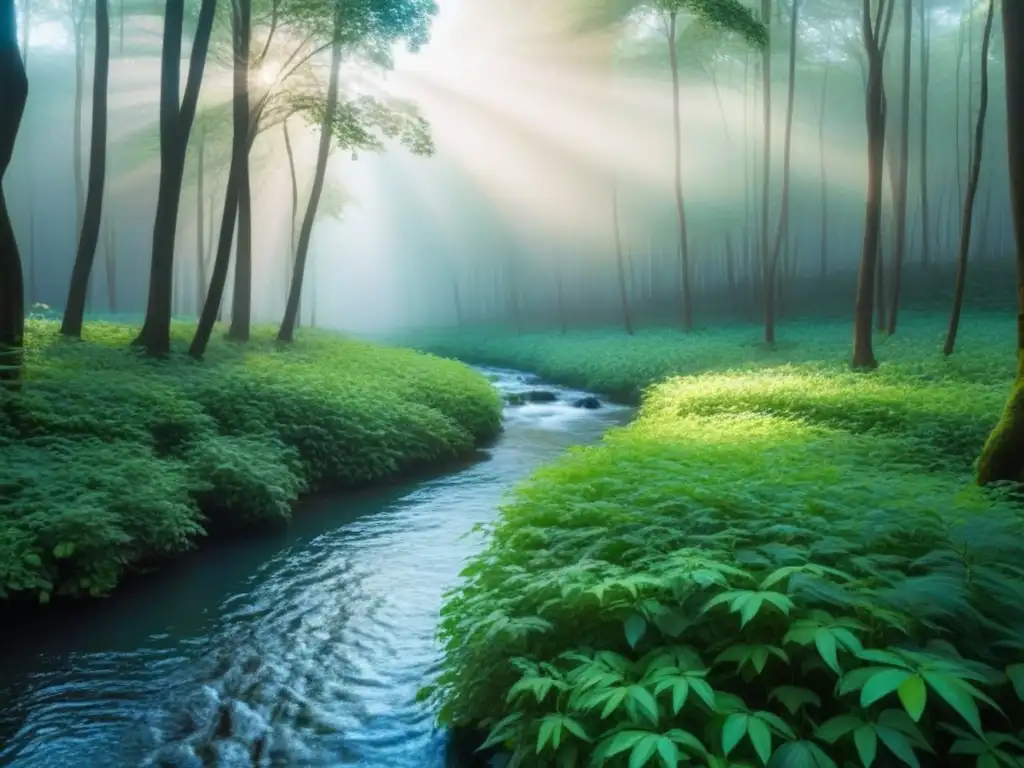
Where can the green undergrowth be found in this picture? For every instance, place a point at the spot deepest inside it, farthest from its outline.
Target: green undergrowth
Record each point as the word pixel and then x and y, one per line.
pixel 778 563
pixel 110 459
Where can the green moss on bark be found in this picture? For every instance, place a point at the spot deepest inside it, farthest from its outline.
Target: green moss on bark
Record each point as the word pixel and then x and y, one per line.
pixel 1003 456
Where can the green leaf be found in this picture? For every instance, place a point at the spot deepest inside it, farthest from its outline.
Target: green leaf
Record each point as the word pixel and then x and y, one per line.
pixel 636 628
pixel 1016 674
pixel 575 729
pixel 881 685
pixel 793 697
pixel 644 701
pixel 866 741
pixel 800 754
pixel 957 694
pixel 760 737
pixel 32 559
pixel 913 695
pixel 622 741
pixel 668 751
pixel 733 730
pixel 826 645
pixel 643 751
pixel 833 730
pixel 44 597
pixel 897 743
pixel 550 729
pixel 614 700
pixel 64 550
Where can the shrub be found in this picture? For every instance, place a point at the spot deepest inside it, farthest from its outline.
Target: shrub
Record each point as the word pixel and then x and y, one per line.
pixel 785 566
pixel 111 459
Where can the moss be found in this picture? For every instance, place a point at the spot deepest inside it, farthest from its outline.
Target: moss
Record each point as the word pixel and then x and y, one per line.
pixel 1002 460
pixel 111 459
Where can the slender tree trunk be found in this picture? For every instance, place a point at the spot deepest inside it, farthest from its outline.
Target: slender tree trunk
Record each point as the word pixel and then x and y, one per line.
pixel 30 255
pixel 241 296
pixel 175 126
pixel 783 228
pixel 627 319
pixel 13 95
pixel 684 247
pixel 287 331
pixel 89 234
pixel 767 277
pixel 956 108
pixel 875 35
pixel 219 276
pixel 823 253
pixel 925 78
pixel 78 11
pixel 294 212
pixel 1003 456
pixel 110 269
pixel 201 277
pixel 972 190
pixel 900 224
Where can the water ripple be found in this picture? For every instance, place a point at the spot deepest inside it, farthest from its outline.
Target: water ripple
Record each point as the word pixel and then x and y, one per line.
pixel 302 652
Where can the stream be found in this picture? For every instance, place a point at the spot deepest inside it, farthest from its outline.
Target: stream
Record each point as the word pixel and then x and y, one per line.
pixel 301 647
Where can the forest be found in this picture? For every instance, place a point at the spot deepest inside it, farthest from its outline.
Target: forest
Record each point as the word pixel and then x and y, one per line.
pixel 537 383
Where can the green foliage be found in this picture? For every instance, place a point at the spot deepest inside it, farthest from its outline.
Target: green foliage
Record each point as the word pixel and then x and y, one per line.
pixel 111 460
pixel 781 566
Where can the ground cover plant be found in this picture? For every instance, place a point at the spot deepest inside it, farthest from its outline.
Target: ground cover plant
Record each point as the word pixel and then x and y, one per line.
pixel 111 459
pixel 779 563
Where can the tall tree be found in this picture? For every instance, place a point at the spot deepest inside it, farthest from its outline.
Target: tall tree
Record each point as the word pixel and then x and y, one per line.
pixel 176 119
pixel 241 297
pixel 1003 456
pixel 627 319
pixel 972 189
pixel 902 170
pixel 13 95
pixel 823 167
pixel 876 22
pixel 89 235
pixel 925 67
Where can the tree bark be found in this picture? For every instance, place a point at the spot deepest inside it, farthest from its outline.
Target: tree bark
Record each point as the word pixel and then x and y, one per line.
pixel 175 126
pixel 684 247
pixel 294 212
pixel 286 333
pixel 1003 456
pixel 13 95
pixel 201 277
pixel 78 11
pixel 241 296
pixel 900 224
pixel 89 235
pixel 972 191
pixel 875 33
pixel 823 253
pixel 110 269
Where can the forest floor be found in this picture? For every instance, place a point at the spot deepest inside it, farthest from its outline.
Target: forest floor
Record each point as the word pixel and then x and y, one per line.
pixel 112 460
pixel 770 522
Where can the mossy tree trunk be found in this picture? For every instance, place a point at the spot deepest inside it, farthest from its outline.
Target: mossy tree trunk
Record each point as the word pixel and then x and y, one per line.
pixel 13 95
pixel 1003 456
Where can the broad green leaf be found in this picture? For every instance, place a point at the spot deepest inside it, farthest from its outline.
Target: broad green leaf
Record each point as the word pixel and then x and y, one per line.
pixel 826 645
pixel 614 700
pixel 1016 674
pixel 957 694
pixel 668 751
pixel 644 702
pixel 834 729
pixel 636 628
pixel 866 741
pixel 643 751
pixel 794 697
pixel 760 737
pixel 623 741
pixel 881 685
pixel 800 754
pixel 550 729
pixel 913 695
pixel 733 731
pixel 897 743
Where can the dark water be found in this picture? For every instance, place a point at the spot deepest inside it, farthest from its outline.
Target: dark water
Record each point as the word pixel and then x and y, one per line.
pixel 300 648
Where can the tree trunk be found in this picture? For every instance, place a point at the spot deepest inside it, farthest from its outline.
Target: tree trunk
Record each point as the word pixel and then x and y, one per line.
pixel 294 212
pixel 684 247
pixel 89 235
pixel 30 256
pixel 900 225
pixel 925 78
pixel 823 254
pixel 782 232
pixel 627 319
pixel 78 11
pixel 201 277
pixel 219 277
pixel 1003 456
pixel 287 331
pixel 972 191
pixel 875 35
pixel 241 295
pixel 110 269
pixel 13 95
pixel 175 127
pixel 561 299
pixel 767 281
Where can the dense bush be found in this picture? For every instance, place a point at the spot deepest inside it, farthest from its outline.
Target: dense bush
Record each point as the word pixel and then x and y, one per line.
pixel 110 459
pixel 786 566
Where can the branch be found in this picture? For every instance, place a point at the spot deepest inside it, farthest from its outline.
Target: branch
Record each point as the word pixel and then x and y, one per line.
pixel 270 34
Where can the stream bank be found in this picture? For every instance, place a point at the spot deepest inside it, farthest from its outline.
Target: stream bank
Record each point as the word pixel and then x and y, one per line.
pixel 302 647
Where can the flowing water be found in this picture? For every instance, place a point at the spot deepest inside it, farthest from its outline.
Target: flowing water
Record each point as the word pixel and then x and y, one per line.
pixel 298 648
